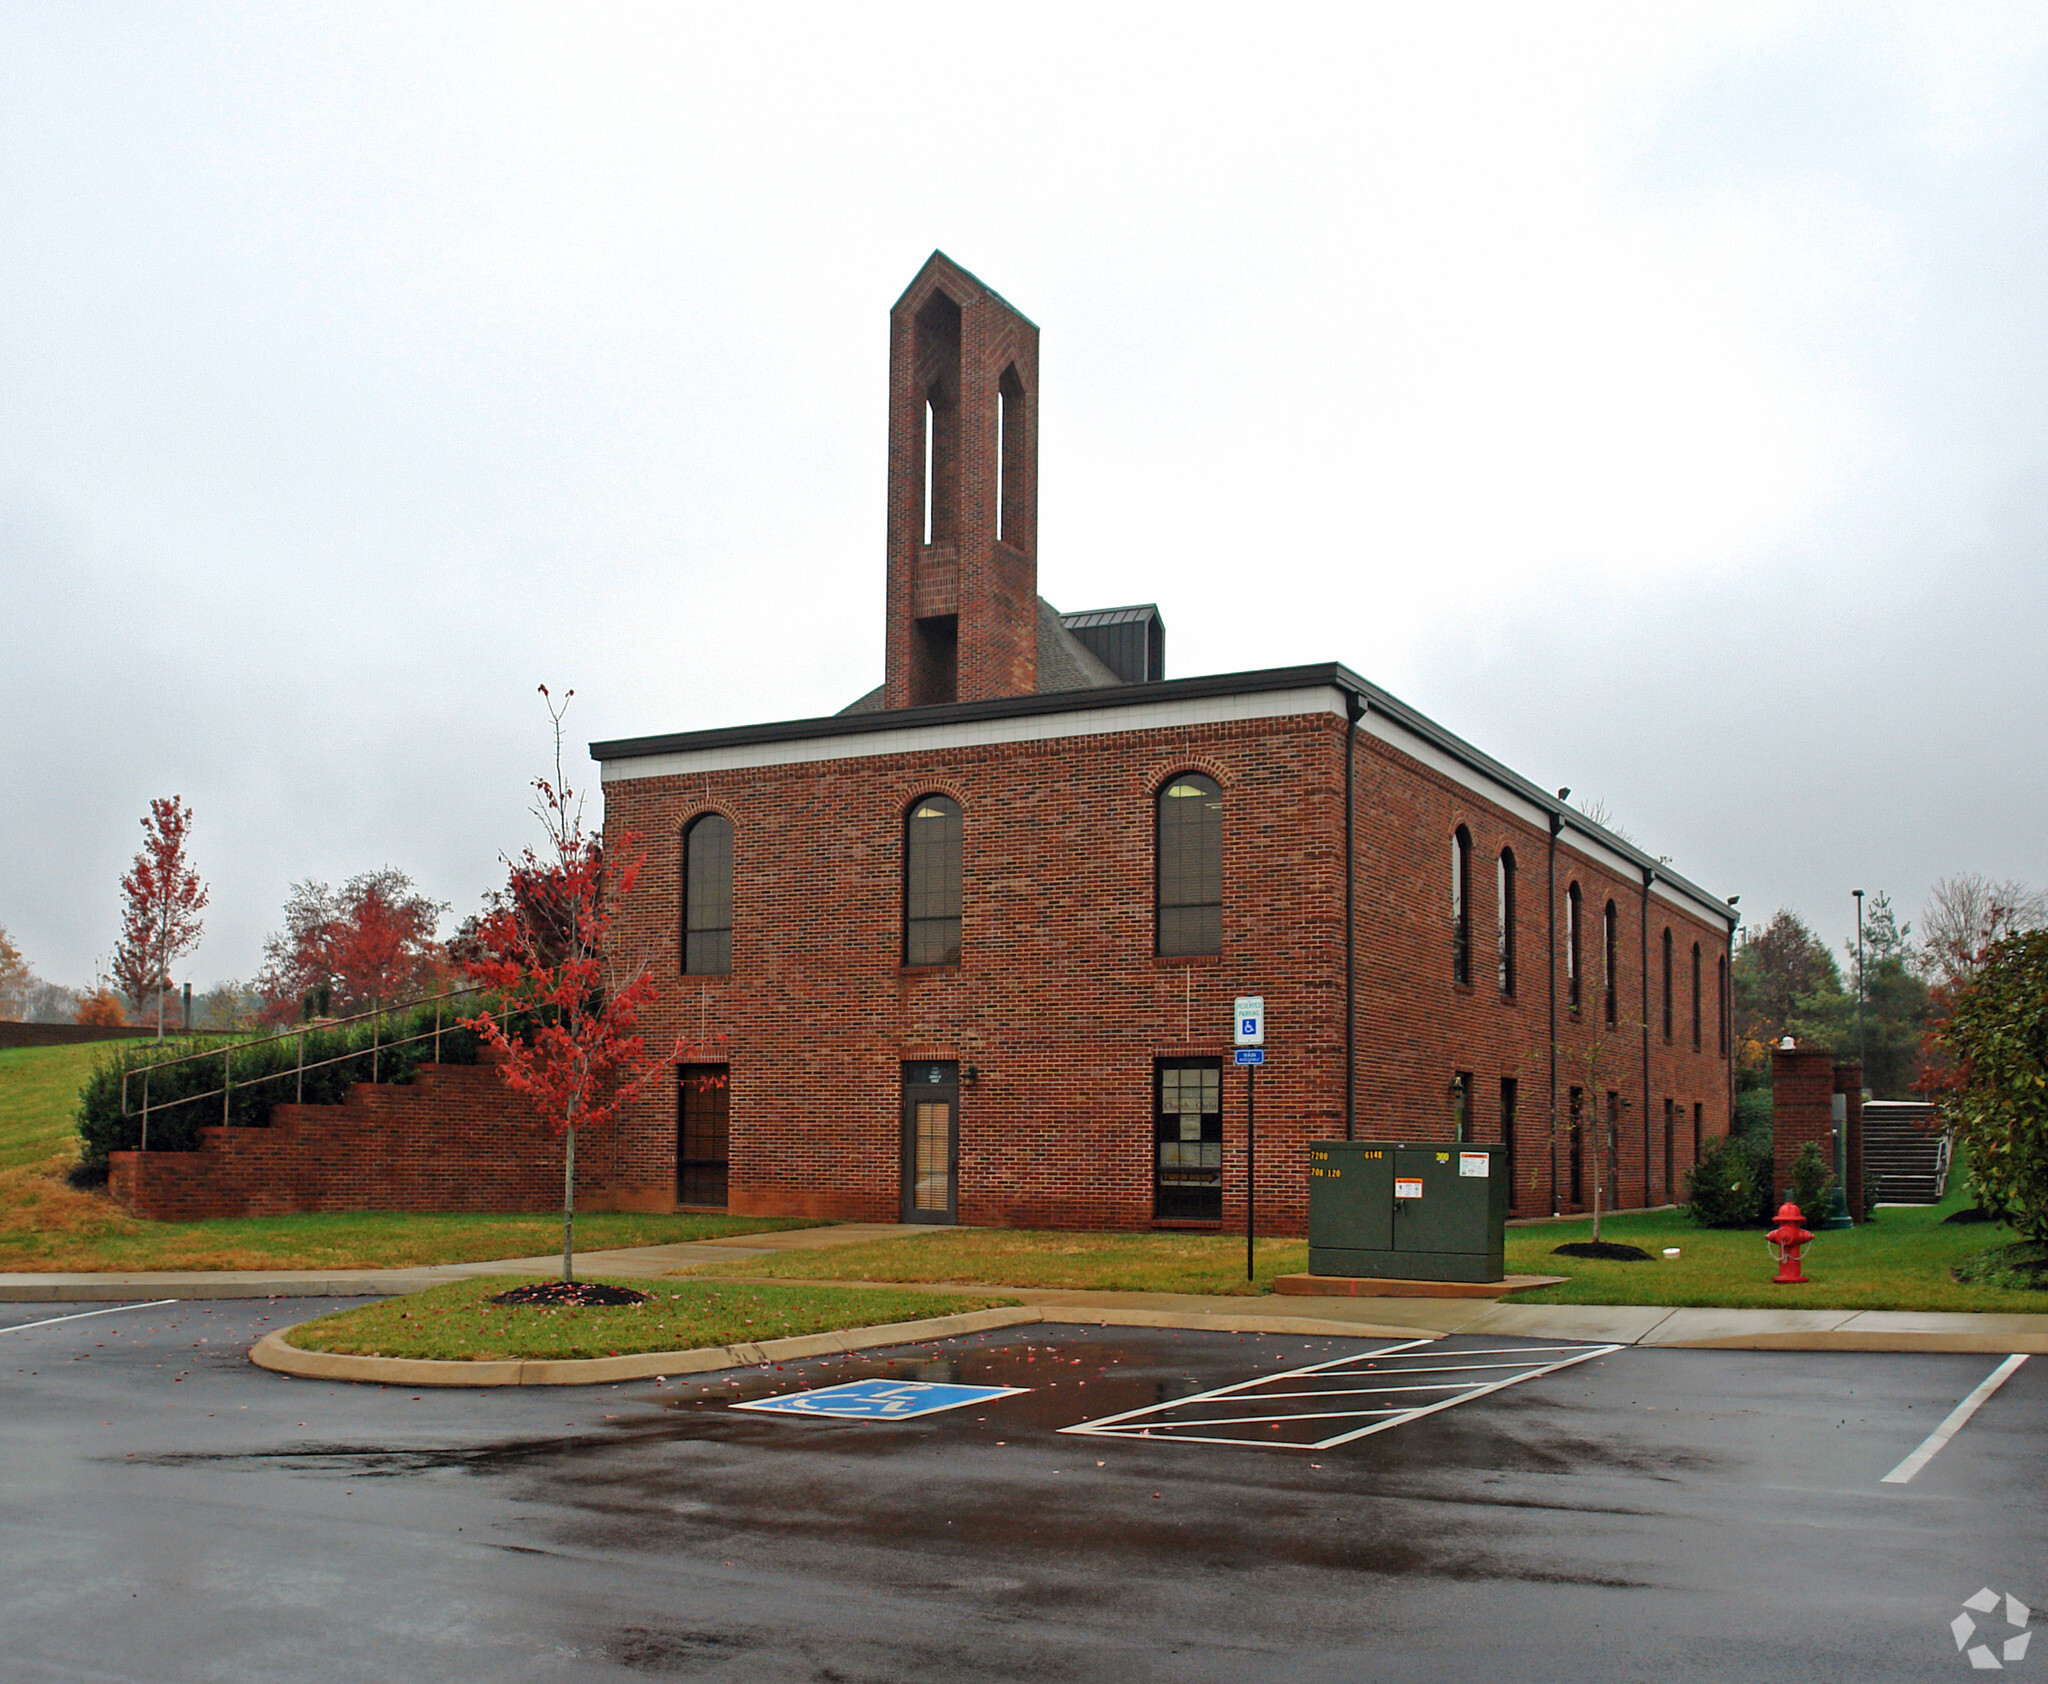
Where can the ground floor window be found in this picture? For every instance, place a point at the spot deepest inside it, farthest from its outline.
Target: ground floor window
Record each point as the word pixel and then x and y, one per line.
pixel 702 1115
pixel 1187 1148
pixel 1507 1131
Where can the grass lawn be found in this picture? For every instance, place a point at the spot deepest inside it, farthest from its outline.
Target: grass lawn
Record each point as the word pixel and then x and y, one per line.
pixel 456 1323
pixel 1900 1262
pixel 1211 1263
pixel 46 1225
pixel 38 1094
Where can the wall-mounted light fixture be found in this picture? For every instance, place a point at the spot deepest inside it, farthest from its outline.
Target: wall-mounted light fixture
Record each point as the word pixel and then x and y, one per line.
pixel 970 1074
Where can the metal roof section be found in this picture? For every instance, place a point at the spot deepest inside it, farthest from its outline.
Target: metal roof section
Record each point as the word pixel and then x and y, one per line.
pixel 1386 715
pixel 1133 615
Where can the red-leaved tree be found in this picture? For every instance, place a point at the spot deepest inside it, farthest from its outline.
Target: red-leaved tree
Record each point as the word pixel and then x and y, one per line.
pixel 161 899
pixel 370 941
pixel 543 949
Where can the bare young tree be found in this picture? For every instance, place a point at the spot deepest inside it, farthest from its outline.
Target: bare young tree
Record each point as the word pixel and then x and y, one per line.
pixel 1595 808
pixel 1966 913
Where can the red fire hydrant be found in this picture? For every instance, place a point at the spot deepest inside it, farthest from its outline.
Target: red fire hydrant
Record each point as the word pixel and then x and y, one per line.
pixel 1787 1241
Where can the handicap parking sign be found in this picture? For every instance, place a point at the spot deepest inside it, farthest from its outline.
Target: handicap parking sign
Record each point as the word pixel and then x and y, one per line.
pixel 880 1400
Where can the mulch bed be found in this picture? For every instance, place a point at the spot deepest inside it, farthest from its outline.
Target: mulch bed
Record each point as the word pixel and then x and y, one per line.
pixel 1606 1250
pixel 578 1295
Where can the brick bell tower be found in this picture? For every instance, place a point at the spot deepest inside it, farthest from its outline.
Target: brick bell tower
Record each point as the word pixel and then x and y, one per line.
pixel 963 493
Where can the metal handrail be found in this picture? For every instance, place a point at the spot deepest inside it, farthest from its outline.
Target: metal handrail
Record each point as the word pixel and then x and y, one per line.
pixel 226 1055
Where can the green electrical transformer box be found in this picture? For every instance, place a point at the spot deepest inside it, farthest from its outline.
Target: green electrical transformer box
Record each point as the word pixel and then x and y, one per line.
pixel 1403 1212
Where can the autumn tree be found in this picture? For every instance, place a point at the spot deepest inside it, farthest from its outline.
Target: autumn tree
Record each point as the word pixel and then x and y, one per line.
pixel 161 899
pixel 546 950
pixel 101 1009
pixel 17 980
pixel 370 941
pixel 1995 1041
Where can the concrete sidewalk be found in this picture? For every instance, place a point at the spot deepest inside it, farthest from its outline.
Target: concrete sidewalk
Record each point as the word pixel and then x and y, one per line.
pixel 1791 1329
pixel 636 1263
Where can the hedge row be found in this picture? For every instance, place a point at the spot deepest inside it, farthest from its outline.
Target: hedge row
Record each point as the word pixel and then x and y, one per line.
pixel 263 1075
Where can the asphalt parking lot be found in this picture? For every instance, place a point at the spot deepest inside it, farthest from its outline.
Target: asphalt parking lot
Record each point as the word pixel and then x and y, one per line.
pixel 168 1512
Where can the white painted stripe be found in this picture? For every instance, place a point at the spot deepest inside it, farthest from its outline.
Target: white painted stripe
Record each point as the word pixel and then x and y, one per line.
pixel 1131 1424
pixel 1482 1391
pixel 51 1321
pixel 1245 1385
pixel 1958 1417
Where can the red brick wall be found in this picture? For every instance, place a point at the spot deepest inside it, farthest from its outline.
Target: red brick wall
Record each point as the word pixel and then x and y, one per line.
pixel 1417 1028
pixel 1061 1005
pixel 454 1139
pixel 1802 1109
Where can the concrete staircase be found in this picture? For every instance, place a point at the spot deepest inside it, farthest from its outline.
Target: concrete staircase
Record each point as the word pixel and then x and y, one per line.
pixel 1905 1145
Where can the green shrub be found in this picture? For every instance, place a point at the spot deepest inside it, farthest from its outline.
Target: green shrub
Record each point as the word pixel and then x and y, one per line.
pixel 263 1074
pixel 1722 1189
pixel 1811 1180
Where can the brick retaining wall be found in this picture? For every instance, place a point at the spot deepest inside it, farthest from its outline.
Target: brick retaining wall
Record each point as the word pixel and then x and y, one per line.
pixel 453 1139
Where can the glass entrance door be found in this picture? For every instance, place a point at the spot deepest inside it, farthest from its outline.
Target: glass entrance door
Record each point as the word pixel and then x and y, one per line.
pixel 1187 1145
pixel 931 1141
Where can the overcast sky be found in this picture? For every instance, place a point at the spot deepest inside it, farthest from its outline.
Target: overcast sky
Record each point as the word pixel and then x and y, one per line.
pixel 1652 395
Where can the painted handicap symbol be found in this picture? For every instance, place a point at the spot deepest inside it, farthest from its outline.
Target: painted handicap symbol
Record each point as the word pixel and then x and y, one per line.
pixel 879 1400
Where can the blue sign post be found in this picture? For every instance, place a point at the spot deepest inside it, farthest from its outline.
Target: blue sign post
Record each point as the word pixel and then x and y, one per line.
pixel 1249 1020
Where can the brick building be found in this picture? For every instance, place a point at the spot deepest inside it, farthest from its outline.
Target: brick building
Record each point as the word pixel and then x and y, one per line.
pixel 967 950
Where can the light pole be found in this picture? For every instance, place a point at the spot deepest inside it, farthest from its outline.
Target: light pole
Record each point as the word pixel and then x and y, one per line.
pixel 1858 893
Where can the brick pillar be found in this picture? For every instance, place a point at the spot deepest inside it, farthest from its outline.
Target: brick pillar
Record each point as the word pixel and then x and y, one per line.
pixel 1802 1109
pixel 1849 1083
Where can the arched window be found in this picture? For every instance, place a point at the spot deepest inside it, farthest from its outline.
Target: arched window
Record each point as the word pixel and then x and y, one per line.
pixel 1573 976
pixel 931 882
pixel 1504 907
pixel 1461 905
pixel 1667 985
pixel 1721 1004
pixel 707 896
pixel 1610 944
pixel 1188 870
pixel 1695 996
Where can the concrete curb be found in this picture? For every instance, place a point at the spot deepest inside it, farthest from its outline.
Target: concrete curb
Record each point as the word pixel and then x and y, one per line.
pixel 273 1351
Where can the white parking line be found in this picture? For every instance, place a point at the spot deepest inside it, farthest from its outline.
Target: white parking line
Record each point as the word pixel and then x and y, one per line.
pixel 49 1321
pixel 1930 1447
pixel 1172 1419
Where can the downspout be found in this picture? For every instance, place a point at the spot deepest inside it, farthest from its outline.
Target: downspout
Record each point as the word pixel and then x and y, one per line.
pixel 1354 705
pixel 1649 877
pixel 1727 1010
pixel 1556 825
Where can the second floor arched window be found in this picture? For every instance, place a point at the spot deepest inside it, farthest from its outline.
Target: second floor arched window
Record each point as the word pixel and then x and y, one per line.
pixel 1504 909
pixel 1610 947
pixel 1667 985
pixel 1188 870
pixel 1461 905
pixel 707 896
pixel 931 882
pixel 1574 975
pixel 1695 996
